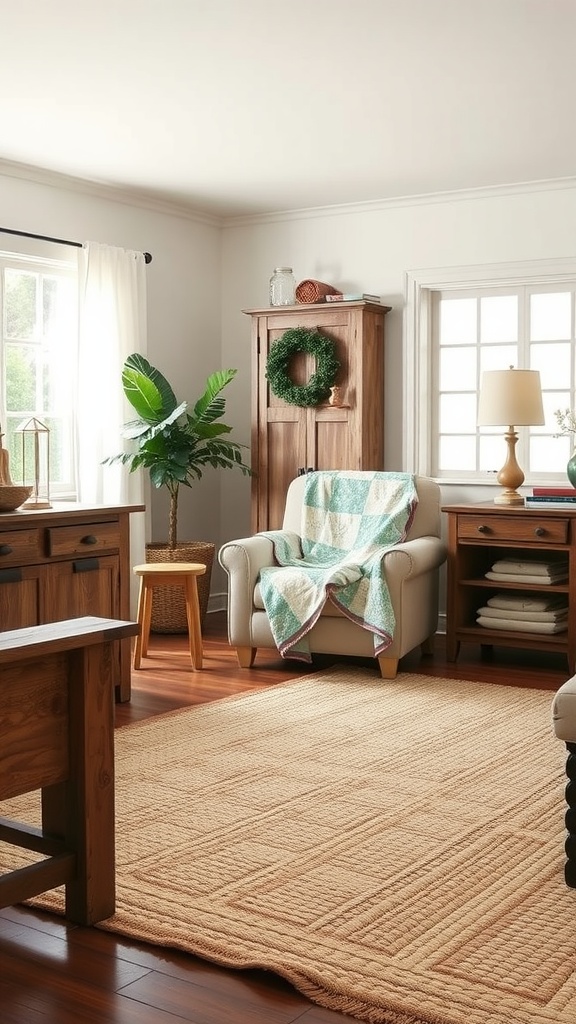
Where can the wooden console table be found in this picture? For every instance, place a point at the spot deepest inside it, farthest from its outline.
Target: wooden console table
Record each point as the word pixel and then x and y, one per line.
pixel 57 736
pixel 478 535
pixel 68 561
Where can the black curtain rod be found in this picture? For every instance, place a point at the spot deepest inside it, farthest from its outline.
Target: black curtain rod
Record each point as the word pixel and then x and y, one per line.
pixel 58 241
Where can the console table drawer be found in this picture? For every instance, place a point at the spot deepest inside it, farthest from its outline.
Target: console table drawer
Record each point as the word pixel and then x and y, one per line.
pixel 85 539
pixel 515 529
pixel 20 546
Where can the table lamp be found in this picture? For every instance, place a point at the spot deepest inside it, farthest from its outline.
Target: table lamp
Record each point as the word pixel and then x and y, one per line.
pixel 510 398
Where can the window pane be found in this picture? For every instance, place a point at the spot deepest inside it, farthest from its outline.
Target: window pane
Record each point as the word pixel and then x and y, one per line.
pixel 20 304
pixel 499 318
pixel 549 455
pixel 550 316
pixel 458 414
pixel 20 378
pixel 492 452
pixel 39 357
pixel 458 321
pixel 457 453
pixel 457 369
pixel 553 361
pixel 498 357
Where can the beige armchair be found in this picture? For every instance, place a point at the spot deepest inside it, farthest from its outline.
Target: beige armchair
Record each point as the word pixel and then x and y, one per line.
pixel 411 568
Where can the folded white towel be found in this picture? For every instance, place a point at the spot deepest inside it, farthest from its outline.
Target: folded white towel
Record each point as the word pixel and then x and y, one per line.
pixel 528 568
pixel 511 577
pixel 519 625
pixel 527 601
pixel 506 613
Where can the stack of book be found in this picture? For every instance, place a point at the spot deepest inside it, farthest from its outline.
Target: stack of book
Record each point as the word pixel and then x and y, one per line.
pixel 551 497
pixel 353 297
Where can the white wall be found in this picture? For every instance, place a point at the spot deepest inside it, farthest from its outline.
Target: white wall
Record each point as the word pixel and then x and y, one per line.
pixel 183 283
pixel 371 249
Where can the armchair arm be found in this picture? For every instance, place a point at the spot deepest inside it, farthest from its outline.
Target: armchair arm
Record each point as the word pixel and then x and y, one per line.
pixel 414 557
pixel 243 559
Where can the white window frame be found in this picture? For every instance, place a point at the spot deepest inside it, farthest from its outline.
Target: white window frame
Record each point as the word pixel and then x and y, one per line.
pixel 418 376
pixel 31 258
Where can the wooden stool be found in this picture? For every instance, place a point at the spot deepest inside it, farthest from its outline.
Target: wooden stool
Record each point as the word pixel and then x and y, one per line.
pixel 169 574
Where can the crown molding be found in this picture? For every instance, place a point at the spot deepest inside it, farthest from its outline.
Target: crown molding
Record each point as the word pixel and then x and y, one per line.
pixel 105 190
pixel 395 202
pixel 136 197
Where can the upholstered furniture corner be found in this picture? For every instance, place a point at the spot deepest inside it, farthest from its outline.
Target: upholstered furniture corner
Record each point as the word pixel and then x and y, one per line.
pixel 564 721
pixel 412 574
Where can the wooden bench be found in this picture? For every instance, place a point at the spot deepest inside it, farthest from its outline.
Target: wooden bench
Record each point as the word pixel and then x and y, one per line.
pixel 57 736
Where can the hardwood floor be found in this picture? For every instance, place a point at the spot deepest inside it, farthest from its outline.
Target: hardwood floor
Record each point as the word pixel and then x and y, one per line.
pixel 52 972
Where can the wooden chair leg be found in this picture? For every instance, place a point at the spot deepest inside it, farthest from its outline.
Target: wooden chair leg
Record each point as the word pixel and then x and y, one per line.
pixel 246 656
pixel 146 617
pixel 388 667
pixel 140 618
pixel 193 616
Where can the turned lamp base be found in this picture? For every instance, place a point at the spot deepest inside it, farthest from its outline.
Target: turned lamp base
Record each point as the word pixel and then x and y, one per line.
pixel 510 476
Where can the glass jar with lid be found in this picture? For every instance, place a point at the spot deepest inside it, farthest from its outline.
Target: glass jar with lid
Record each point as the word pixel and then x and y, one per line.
pixel 282 287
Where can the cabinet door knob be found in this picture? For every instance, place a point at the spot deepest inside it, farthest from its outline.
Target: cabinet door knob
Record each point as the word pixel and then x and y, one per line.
pixel 539 531
pixel 483 528
pixel 89 539
pixel 5 549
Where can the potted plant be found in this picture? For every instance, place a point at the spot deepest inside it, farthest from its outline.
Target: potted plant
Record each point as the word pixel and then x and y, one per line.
pixel 176 445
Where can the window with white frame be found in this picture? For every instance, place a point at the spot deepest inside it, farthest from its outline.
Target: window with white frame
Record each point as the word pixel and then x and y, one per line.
pixel 38 359
pixel 461 323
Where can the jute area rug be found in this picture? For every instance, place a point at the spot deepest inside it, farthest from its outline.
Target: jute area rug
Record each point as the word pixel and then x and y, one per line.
pixel 394 849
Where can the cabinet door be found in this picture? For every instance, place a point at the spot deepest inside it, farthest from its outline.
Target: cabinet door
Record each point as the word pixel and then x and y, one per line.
pixel 85 586
pixel 283 456
pixel 20 597
pixel 332 443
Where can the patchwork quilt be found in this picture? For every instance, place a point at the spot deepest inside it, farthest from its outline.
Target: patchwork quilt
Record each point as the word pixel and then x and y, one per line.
pixel 349 520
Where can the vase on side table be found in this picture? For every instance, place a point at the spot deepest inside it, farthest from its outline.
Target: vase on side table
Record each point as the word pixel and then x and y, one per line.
pixel 571 468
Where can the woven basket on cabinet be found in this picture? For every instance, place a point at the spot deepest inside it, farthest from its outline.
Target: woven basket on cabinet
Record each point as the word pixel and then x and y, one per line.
pixel 314 291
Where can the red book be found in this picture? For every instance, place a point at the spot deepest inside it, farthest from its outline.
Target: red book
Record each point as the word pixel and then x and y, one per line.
pixel 563 492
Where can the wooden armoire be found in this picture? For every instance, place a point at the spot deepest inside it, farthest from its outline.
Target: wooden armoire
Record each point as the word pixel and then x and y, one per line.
pixel 288 439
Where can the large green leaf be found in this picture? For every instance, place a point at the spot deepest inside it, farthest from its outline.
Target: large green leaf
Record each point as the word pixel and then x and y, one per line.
pixel 147 389
pixel 209 407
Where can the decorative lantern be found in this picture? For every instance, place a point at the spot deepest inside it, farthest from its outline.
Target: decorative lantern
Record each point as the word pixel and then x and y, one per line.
pixel 36 461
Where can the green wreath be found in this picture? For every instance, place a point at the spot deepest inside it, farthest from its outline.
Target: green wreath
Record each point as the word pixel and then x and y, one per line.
pixel 299 339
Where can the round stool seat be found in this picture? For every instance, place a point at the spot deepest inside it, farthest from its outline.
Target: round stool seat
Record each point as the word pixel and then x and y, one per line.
pixel 169 574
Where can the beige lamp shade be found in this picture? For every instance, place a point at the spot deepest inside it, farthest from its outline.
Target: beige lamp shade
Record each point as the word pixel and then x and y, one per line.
pixel 510 398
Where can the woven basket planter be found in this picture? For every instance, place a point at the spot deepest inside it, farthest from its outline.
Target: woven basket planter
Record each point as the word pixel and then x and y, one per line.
pixel 168 606
pixel 314 291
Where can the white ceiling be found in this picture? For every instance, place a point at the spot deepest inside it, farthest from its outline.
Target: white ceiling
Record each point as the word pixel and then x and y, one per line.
pixel 236 107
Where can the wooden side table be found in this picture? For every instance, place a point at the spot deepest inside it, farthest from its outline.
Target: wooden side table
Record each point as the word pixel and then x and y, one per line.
pixel 480 534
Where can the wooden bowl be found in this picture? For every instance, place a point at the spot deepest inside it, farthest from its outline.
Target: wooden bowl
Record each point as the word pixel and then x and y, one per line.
pixel 12 496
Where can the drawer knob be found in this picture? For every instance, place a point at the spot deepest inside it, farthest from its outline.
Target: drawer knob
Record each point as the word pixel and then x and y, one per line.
pixel 5 549
pixel 539 531
pixel 89 539
pixel 483 528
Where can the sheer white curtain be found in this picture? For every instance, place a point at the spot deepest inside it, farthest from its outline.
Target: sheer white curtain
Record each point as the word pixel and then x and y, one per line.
pixel 112 322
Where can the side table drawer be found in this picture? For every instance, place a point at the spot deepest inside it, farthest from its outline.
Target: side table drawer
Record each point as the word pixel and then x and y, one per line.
pixel 19 547
pixel 513 528
pixel 86 539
